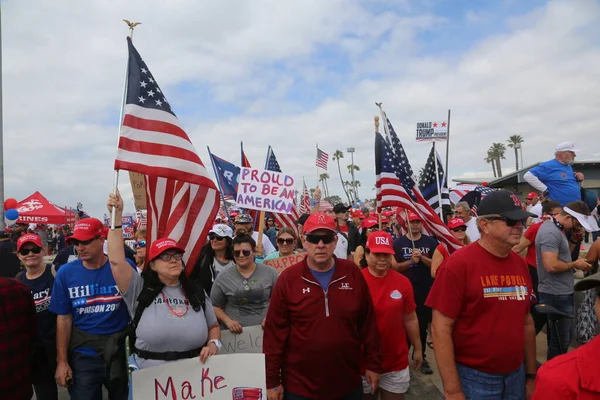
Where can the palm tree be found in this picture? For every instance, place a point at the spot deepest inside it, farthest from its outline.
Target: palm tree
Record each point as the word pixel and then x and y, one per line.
pixel 323 178
pixel 350 190
pixel 490 160
pixel 515 142
pixel 337 156
pixel 351 169
pixel 498 150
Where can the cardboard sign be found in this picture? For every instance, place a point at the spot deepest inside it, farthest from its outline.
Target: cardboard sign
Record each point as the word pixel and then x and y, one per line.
pixel 138 187
pixel 432 131
pixel 249 341
pixel 226 377
pixel 265 191
pixel 282 263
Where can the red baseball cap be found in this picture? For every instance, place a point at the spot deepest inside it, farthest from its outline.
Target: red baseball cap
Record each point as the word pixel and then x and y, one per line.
pixel 159 246
pixel 455 223
pixel 86 229
pixel 369 223
pixel 29 238
pixel 413 217
pixel 380 242
pixel 358 214
pixel 387 213
pixel 319 221
pixel 531 195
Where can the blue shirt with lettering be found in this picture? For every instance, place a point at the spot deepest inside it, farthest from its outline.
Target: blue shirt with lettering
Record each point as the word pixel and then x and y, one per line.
pixel 560 179
pixel 91 296
pixel 419 274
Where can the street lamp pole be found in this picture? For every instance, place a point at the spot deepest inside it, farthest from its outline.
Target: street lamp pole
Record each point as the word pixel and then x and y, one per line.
pixel 351 150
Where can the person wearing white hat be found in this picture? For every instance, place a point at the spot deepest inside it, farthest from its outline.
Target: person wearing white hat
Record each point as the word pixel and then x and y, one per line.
pixel 556 178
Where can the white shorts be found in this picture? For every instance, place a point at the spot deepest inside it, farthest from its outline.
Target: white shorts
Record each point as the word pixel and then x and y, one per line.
pixel 393 382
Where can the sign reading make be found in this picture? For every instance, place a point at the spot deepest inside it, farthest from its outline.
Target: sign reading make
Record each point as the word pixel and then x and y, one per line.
pixel 265 191
pixel 432 131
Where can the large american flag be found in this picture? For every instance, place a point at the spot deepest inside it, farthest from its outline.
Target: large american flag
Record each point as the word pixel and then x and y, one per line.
pixel 395 185
pixel 281 219
pixel 428 185
pixel 322 159
pixel 304 199
pixel 182 200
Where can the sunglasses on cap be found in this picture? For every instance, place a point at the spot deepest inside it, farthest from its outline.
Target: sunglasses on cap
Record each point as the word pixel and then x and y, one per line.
pixel 212 236
pixel 83 242
pixel 508 221
pixel 373 228
pixel 460 229
pixel 315 239
pixel 34 250
pixel 140 244
pixel 171 256
pixel 288 241
pixel 238 253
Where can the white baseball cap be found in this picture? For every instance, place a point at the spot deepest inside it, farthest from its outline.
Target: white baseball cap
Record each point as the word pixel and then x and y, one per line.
pixel 566 146
pixel 222 230
pixel 587 221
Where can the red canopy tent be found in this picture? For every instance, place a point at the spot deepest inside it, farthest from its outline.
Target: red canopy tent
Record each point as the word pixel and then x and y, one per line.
pixel 38 210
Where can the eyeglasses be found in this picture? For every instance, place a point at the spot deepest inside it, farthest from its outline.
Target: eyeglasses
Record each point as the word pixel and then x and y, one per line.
pixel 83 242
pixel 34 250
pixel 373 228
pixel 315 239
pixel 215 237
pixel 238 253
pixel 141 243
pixel 288 241
pixel 460 229
pixel 171 256
pixel 508 221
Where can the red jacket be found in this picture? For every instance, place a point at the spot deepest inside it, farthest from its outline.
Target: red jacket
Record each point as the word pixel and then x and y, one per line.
pixel 313 337
pixel 575 375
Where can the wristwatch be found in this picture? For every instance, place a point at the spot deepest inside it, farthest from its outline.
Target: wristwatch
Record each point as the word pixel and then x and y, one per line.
pixel 217 343
pixel 530 376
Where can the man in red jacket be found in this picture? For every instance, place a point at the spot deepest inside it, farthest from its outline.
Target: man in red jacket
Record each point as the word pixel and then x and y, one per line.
pixel 573 375
pixel 320 324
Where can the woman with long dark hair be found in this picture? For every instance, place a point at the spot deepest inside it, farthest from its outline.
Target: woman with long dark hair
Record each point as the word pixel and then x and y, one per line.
pixel 215 257
pixel 369 225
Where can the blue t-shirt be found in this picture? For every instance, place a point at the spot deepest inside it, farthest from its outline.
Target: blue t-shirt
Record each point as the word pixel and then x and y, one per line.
pixel 560 179
pixel 323 277
pixel 41 290
pixel 418 274
pixel 91 296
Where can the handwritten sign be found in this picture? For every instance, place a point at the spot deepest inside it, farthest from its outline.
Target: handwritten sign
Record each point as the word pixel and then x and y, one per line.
pixel 226 377
pixel 432 131
pixel 265 191
pixel 138 187
pixel 282 263
pixel 249 341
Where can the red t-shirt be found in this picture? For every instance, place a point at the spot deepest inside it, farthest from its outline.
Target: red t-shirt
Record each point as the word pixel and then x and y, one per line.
pixel 393 298
pixel 530 234
pixel 488 297
pixel 343 228
pixel 442 249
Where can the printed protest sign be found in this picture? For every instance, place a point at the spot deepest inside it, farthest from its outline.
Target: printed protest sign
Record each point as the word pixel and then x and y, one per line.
pixel 265 191
pixel 127 222
pixel 223 377
pixel 249 341
pixel 432 131
pixel 282 263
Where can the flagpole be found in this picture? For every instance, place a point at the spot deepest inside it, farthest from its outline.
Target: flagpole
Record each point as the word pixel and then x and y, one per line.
pixel 447 146
pixel 218 176
pixel 409 232
pixel 2 221
pixel 437 182
pixel 113 213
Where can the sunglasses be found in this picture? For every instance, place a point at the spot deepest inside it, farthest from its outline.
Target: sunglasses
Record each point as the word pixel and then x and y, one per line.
pixel 171 256
pixel 141 243
pixel 373 228
pixel 34 250
pixel 288 241
pixel 238 253
pixel 508 221
pixel 82 242
pixel 315 239
pixel 461 229
pixel 215 237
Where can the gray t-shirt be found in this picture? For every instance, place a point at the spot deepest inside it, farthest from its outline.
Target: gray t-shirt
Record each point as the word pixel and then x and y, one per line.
pixel 550 238
pixel 219 267
pixel 244 300
pixel 160 330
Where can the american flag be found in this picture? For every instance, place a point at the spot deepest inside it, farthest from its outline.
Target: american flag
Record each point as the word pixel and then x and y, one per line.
pixel 245 163
pixel 304 199
pixel 322 159
pixel 281 219
pixel 428 184
pixel 396 186
pixel 472 194
pixel 182 200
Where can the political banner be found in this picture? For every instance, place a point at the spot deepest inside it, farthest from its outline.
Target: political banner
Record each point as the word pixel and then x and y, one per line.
pixel 432 131
pixel 222 377
pixel 282 263
pixel 227 175
pixel 249 341
pixel 265 191
pixel 127 222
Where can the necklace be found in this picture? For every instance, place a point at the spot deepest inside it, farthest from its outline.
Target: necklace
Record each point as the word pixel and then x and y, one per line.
pixel 175 313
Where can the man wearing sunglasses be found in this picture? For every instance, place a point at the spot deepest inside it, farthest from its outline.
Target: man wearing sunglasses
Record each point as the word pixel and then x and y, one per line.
pixel 245 221
pixel 321 324
pixel 483 334
pixel 555 267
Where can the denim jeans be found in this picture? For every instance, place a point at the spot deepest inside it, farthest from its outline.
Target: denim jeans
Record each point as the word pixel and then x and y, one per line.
pixel 565 303
pixel 89 374
pixel 477 385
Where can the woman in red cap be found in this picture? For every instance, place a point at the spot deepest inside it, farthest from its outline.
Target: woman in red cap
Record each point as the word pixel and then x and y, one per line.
pixel 163 303
pixel 459 230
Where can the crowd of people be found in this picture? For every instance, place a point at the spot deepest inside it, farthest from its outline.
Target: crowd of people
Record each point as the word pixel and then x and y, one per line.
pixel 374 295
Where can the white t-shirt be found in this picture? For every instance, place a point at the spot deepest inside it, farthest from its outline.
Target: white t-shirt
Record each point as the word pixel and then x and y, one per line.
pixel 268 247
pixel 341 248
pixel 472 230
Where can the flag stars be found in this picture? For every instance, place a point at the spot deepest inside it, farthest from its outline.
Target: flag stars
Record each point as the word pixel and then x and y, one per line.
pixel 144 70
pixel 157 89
pixel 141 99
pixel 159 103
pixel 151 93
pixel 151 80
pixel 143 84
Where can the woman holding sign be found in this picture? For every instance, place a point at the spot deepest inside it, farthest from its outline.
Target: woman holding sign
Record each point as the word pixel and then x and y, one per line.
pixel 286 242
pixel 172 317
pixel 241 295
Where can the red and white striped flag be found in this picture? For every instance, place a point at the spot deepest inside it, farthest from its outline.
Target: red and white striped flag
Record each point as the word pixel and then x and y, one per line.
pixel 322 159
pixel 182 200
pixel 304 199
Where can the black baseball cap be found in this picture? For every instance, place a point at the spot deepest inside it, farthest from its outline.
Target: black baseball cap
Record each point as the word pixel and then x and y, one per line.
pixel 504 203
pixel 3 235
pixel 340 208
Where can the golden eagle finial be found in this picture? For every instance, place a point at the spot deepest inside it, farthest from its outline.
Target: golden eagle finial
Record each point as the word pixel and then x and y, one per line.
pixel 131 25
